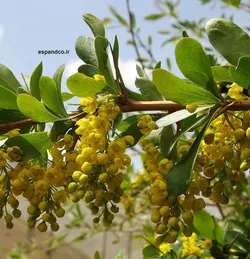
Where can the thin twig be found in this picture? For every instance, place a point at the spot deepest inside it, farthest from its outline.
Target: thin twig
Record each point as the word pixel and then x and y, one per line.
pixel 119 77
pixel 131 30
pixel 220 210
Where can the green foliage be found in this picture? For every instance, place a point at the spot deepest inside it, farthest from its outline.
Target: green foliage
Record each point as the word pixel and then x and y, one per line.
pixel 7 99
pixel 179 90
pixel 194 64
pixel 32 108
pixel 228 39
pixel 8 80
pixel 148 89
pixel 95 24
pixel 33 145
pixel 50 96
pixel 241 73
pixel 34 81
pixel 84 86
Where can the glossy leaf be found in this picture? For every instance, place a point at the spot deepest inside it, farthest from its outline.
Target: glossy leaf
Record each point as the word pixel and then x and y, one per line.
pixel 206 230
pixel 140 71
pixel 104 66
pixel 221 74
pixel 179 90
pixel 50 96
pixel 7 79
pixel 133 130
pixel 88 70
pixel 116 48
pixel 97 255
pixel 57 77
pixel 149 251
pixel 7 99
pixel 241 73
pixel 168 146
pixel 85 49
pixel 228 39
pixel 34 81
pixel 135 96
pixel 178 116
pixel 148 89
pixel 32 144
pixel 95 24
pixel 194 64
pixel 66 96
pixel 26 79
pixel 59 128
pixel 84 86
pixel 178 179
pixel 34 109
pixel 7 116
pixel 167 135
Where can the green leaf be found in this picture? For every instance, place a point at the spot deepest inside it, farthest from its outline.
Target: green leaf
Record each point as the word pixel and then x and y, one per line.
pixel 32 108
pixel 156 16
pixel 179 90
pixel 241 73
pixel 148 89
pixel 95 24
pixel 133 130
pixel 242 241
pixel 97 255
pixel 204 223
pixel 66 96
pixel 32 144
pixel 124 124
pixel 168 146
pixel 84 86
pixel 57 77
pixel 167 135
pixel 7 99
pixel 158 65
pixel 7 79
pixel 135 96
pixel 50 96
pixel 88 70
pixel 194 64
pixel 221 74
pixel 116 48
pixel 140 71
pixel 149 251
pixel 228 39
pixel 59 128
pixel 179 177
pixel 118 16
pixel 85 49
pixel 104 67
pixel 7 116
pixel 178 116
pixel 26 79
pixel 219 233
pixel 34 81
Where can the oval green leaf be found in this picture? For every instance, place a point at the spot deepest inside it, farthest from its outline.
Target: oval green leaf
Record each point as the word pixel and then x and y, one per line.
pixel 7 79
pixel 95 24
pixel 32 108
pixel 194 64
pixel 180 91
pixel 34 81
pixel 84 86
pixel 50 96
pixel 228 39
pixel 7 99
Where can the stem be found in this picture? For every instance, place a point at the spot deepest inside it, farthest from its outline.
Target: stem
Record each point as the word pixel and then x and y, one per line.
pixel 131 30
pixel 132 106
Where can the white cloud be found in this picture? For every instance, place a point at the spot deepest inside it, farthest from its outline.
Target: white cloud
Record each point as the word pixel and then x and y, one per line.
pixel 1 30
pixel 72 66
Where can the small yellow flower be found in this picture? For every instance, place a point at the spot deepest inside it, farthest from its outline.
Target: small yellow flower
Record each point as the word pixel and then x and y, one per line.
pixel 236 92
pixel 165 247
pixel 99 77
pixel 207 244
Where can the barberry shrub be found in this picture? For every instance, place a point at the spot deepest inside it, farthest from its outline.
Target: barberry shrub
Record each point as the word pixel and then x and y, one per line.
pixel 195 150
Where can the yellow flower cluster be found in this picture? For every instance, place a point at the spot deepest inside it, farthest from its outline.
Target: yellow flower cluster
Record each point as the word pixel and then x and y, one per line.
pixel 146 124
pixel 236 92
pixel 100 159
pixel 190 246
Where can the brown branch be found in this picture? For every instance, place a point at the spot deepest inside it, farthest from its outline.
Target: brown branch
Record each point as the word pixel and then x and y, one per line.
pixel 132 106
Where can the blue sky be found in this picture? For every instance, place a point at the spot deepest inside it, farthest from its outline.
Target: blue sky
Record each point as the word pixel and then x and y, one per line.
pixel 28 26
